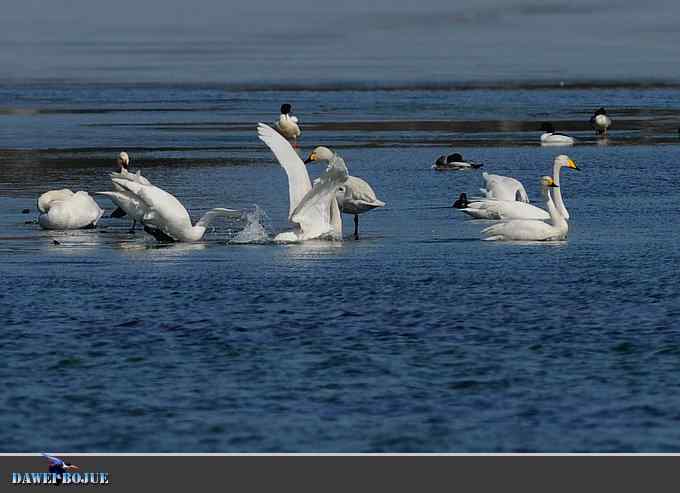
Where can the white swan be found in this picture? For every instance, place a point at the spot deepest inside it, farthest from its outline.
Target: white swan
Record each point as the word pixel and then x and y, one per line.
pixel 164 216
pixel 287 124
pixel 356 197
pixel 63 209
pixel 552 138
pixel 512 209
pixel 528 230
pixel 601 121
pixel 454 162
pixel 313 209
pixel 503 188
pixel 128 204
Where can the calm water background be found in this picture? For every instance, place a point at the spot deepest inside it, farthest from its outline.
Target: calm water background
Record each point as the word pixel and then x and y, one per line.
pixel 419 337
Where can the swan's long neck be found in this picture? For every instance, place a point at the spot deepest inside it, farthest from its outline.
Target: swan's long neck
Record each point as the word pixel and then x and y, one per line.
pixel 556 218
pixel 557 192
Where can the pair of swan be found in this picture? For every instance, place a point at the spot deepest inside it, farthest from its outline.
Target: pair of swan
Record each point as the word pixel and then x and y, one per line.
pixel 533 230
pixel 454 162
pixel 63 209
pixel 314 209
pixel 515 204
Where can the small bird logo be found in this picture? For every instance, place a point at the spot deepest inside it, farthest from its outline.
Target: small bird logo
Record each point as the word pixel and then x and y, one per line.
pixel 59 467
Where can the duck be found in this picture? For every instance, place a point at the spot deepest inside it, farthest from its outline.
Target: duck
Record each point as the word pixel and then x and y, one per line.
pixel 64 210
pixel 512 209
pixel 313 209
pixel 552 138
pixel 555 229
pixel 454 162
pixel 164 217
pixel 287 124
pixel 600 121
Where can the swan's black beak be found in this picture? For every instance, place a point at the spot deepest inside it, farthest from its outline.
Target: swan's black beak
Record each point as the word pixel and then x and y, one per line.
pixel 312 157
pixel 552 185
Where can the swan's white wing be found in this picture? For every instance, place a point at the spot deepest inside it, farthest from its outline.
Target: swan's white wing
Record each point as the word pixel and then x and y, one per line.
pixel 129 202
pixel 521 230
pixel 313 214
pixel 136 177
pixel 505 209
pixel 212 214
pixel 78 211
pixel 298 178
pixel 504 188
pixel 53 196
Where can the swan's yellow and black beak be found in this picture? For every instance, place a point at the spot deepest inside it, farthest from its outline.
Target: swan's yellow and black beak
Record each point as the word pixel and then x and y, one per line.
pixel 312 157
pixel 571 164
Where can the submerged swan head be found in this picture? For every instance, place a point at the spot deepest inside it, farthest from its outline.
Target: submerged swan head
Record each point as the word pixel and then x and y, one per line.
pixel 123 160
pixel 320 153
pixel 564 161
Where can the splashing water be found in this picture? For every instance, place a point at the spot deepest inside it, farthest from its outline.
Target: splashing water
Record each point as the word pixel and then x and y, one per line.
pixel 255 230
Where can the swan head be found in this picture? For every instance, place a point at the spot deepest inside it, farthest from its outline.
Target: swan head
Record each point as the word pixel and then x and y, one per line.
pixel 286 109
pixel 454 158
pixel 564 161
pixel 320 153
pixel 547 182
pixel 547 127
pixel 123 160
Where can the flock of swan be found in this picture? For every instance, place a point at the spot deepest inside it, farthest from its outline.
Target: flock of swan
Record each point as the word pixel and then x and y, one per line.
pixel 316 207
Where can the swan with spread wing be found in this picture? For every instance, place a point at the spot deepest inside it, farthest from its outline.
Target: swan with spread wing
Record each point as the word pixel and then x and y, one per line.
pixel 313 210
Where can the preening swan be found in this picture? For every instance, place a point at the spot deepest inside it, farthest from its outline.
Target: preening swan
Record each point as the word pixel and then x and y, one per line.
pixel 512 209
pixel 531 230
pixel 164 216
pixel 454 162
pixel 63 209
pixel 600 121
pixel 503 188
pixel 287 124
pixel 552 138
pixel 313 210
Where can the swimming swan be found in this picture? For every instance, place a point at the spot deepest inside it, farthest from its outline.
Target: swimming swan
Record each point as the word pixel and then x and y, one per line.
pixel 512 209
pixel 531 230
pixel 63 209
pixel 313 210
pixel 164 216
